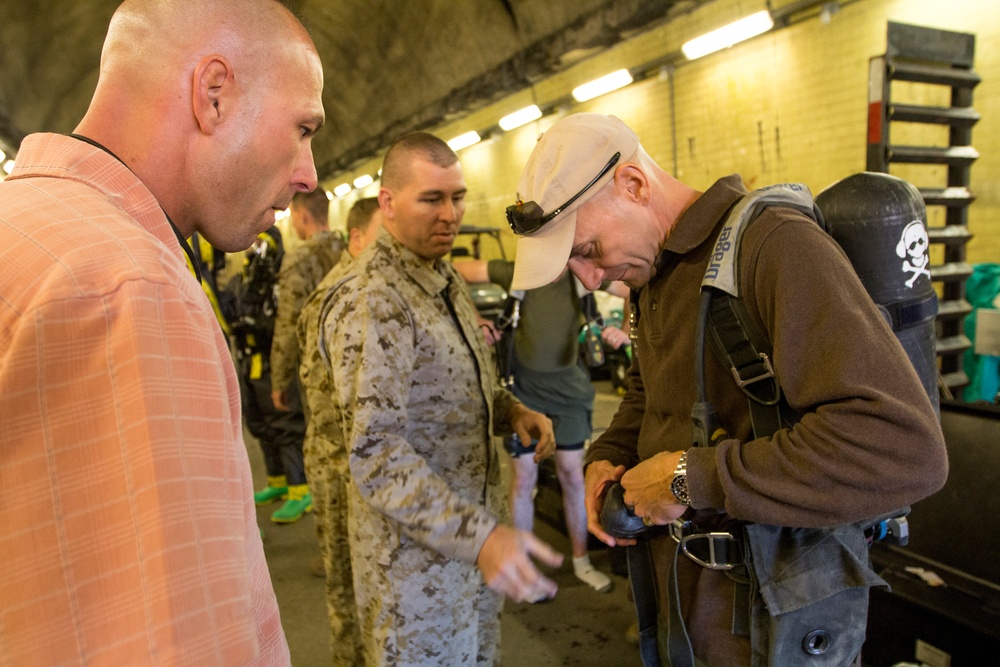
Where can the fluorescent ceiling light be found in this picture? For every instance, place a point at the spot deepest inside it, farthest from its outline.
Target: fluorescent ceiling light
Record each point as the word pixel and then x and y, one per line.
pixel 520 117
pixel 605 84
pixel 464 140
pixel 342 189
pixel 8 166
pixel 363 181
pixel 3 156
pixel 727 35
pixel 329 195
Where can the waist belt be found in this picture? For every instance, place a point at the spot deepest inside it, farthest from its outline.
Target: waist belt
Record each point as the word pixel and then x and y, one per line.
pixel 712 550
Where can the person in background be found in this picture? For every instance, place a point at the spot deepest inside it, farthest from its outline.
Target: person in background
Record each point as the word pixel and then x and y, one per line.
pixel 253 295
pixel 801 496
pixel 549 377
pixel 138 543
pixel 417 400
pixel 324 451
pixel 301 271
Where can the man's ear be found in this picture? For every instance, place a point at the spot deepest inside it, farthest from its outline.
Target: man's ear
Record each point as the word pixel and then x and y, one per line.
pixel 385 203
pixel 633 182
pixel 213 92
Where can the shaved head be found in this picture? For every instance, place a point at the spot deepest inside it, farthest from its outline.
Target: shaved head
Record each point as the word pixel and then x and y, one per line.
pixel 213 104
pixel 151 39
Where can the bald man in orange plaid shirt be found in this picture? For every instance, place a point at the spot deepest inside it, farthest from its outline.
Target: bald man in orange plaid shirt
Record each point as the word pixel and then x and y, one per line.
pixel 128 530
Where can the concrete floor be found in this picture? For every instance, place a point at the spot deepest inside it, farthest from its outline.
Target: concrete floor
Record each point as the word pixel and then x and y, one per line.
pixel 579 627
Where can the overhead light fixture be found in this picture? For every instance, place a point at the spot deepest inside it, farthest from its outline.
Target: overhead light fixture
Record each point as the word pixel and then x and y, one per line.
pixel 342 189
pixel 329 195
pixel 464 140
pixel 520 117
pixel 605 84
pixel 363 181
pixel 8 166
pixel 3 156
pixel 727 35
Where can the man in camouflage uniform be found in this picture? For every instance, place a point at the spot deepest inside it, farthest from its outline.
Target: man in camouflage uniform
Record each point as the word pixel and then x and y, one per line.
pixel 301 271
pixel 324 451
pixel 416 396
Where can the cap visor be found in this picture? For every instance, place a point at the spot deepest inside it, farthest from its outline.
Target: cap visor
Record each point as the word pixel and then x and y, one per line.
pixel 542 257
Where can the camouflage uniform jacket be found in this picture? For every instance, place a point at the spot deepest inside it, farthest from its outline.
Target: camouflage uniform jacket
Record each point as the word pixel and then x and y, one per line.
pixel 301 271
pixel 324 441
pixel 325 457
pixel 417 396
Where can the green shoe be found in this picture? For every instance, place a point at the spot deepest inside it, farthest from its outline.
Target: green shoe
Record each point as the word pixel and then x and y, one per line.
pixel 276 489
pixel 270 494
pixel 299 502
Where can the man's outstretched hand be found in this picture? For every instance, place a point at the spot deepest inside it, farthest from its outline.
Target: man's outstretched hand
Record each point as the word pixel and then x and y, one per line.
pixel 506 563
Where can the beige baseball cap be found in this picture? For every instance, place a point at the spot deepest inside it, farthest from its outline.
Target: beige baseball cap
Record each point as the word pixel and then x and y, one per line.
pixel 576 151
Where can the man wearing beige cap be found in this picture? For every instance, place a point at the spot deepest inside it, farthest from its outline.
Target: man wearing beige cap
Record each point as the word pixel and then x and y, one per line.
pixel 591 198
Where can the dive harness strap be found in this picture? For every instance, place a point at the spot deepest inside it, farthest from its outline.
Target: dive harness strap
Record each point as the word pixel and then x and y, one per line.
pixel 640 576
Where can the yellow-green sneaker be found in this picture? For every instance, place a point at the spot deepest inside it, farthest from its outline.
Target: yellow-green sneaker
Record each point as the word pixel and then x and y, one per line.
pixel 299 502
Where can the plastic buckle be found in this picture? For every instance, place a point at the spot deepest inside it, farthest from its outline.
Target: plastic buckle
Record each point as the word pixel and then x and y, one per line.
pixel 768 373
pixel 713 562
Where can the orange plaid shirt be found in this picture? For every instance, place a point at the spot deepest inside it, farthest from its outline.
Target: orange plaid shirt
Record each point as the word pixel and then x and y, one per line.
pixel 127 528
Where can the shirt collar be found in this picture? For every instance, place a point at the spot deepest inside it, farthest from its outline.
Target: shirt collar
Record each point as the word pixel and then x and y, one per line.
pixel 696 223
pixel 432 278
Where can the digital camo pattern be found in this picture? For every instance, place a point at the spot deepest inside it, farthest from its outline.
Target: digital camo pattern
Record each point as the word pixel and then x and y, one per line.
pixel 416 396
pixel 301 270
pixel 326 468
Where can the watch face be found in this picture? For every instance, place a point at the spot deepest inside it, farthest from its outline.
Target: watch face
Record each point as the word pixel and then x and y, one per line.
pixel 679 487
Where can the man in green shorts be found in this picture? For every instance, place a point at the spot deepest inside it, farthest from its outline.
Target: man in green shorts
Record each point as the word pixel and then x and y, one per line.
pixel 549 378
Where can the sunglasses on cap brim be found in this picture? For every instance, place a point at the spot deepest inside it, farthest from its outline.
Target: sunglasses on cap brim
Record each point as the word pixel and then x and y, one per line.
pixel 527 217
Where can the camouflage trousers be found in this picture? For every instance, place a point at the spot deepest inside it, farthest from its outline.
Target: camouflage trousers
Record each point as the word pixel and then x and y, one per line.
pixel 327 474
pixel 417 607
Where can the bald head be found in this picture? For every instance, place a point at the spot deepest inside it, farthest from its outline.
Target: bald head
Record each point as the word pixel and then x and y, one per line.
pixel 149 41
pixel 191 92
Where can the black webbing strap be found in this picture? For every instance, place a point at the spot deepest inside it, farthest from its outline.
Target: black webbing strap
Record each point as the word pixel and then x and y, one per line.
pixel 907 314
pixel 640 576
pixel 738 349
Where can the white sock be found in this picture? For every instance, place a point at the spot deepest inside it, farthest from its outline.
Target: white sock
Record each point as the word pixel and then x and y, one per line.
pixel 586 573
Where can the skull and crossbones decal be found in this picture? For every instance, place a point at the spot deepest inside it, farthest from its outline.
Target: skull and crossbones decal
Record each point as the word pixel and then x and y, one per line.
pixel 912 248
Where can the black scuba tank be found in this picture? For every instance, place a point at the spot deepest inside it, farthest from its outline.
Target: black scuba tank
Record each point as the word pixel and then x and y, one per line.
pixel 881 223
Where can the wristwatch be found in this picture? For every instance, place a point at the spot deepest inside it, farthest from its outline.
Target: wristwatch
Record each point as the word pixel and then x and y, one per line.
pixel 679 483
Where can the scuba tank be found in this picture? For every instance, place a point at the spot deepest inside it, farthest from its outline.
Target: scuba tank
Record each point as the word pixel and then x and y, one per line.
pixel 880 222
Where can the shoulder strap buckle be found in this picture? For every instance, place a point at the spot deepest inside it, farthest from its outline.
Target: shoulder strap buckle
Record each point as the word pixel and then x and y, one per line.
pixel 768 372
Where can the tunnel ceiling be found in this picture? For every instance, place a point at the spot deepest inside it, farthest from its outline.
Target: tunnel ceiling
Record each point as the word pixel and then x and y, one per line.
pixel 391 66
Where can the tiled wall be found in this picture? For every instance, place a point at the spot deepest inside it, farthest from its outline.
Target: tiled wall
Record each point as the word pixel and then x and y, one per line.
pixel 787 106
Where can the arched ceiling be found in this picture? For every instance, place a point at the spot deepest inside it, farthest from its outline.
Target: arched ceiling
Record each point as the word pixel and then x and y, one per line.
pixel 391 66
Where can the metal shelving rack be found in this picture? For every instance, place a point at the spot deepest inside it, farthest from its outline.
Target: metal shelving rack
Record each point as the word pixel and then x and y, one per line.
pixel 940 58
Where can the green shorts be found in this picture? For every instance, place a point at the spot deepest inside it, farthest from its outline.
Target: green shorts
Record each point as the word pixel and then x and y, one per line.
pixel 565 396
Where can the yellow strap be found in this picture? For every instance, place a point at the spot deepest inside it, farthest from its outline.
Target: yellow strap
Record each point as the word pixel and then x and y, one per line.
pixel 211 297
pixel 256 366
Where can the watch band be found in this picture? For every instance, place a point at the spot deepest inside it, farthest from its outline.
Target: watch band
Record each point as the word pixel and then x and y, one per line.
pixel 679 483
